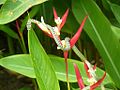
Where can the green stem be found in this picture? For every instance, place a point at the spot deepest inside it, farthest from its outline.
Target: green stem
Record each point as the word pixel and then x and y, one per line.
pixel 10 45
pixel 23 44
pixel 21 40
pixel 78 53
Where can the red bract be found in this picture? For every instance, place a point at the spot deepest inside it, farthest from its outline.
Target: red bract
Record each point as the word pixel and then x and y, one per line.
pixel 77 35
pixel 74 39
pixel 79 78
pixel 80 81
pixel 72 43
pixel 60 22
pixel 92 87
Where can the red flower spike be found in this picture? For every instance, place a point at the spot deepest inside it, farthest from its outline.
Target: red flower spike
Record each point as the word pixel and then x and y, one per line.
pixel 77 35
pixel 78 76
pixel 92 87
pixel 55 13
pixel 86 69
pixel 64 17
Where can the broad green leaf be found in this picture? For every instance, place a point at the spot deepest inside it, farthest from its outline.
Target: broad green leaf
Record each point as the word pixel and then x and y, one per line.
pixel 12 9
pixel 22 64
pixel 9 31
pixel 44 71
pixel 59 66
pixel 116 11
pixel 116 30
pixel 2 1
pixel 99 30
pixel 19 63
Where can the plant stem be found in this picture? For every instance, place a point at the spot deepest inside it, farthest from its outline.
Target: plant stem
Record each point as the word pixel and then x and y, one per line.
pixel 10 45
pixel 66 64
pixel 23 44
pixel 21 40
pixel 78 53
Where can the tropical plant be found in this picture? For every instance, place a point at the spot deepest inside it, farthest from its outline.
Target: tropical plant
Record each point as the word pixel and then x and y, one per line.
pixel 87 33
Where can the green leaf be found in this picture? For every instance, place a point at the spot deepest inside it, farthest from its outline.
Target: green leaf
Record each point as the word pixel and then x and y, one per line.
pixel 44 71
pixel 22 64
pixel 116 11
pixel 25 88
pixel 99 30
pixel 19 63
pixel 2 1
pixel 116 30
pixel 59 66
pixel 9 31
pixel 12 9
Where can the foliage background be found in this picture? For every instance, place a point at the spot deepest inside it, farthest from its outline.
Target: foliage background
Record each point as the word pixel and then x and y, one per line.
pixel 99 41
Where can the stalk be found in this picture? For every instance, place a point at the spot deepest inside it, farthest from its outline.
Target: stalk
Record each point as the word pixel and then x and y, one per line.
pixel 78 53
pixel 21 40
pixel 66 64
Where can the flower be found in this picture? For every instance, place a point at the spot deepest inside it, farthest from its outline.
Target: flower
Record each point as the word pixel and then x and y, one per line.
pixel 93 79
pixel 74 39
pixel 68 43
pixel 79 77
pixel 60 21
pixel 54 32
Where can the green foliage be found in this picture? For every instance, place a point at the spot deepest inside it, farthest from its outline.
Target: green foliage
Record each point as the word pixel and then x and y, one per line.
pixel 42 65
pixel 116 30
pixel 116 11
pixel 100 41
pixel 12 9
pixel 23 64
pixel 99 30
pixel 2 1
pixel 9 31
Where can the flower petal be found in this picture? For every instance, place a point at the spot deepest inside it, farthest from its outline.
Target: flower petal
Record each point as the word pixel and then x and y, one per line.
pixel 55 13
pixel 98 82
pixel 77 35
pixel 86 69
pixel 64 17
pixel 78 76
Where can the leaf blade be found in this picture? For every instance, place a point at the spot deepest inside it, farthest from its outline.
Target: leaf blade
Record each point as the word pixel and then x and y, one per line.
pixel 42 65
pixel 12 9
pixel 100 32
pixel 116 11
pixel 23 64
